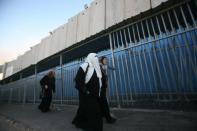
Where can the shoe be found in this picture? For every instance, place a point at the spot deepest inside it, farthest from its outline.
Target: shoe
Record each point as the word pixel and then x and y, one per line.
pixel 111 121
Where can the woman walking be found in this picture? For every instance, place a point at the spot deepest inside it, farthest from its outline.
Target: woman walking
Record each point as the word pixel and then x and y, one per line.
pixel 48 85
pixel 89 82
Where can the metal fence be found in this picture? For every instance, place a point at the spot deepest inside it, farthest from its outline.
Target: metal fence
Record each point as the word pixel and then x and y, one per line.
pixel 155 59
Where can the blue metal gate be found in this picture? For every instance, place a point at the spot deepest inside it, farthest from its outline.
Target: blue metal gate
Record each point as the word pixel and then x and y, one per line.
pixel 155 59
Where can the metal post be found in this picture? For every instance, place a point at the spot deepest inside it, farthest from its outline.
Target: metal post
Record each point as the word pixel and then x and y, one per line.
pixel 169 40
pixel 130 56
pixel 162 59
pixel 66 81
pixel 124 73
pixel 168 56
pixel 186 41
pixel 187 46
pixel 117 38
pixel 68 97
pixel 120 78
pixel 0 95
pixel 118 67
pixel 21 86
pixel 24 94
pixel 113 62
pixel 154 53
pixel 127 67
pixel 10 97
pixel 69 94
pixel 127 84
pixel 71 83
pixel 135 62
pixel 191 63
pixel 147 70
pixel 140 60
pixel 194 22
pixel 109 85
pixel 151 62
pixel 35 84
pixel 62 83
pixel 182 59
pixel 185 21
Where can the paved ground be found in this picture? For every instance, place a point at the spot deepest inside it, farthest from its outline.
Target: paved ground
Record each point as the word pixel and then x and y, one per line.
pixel 28 118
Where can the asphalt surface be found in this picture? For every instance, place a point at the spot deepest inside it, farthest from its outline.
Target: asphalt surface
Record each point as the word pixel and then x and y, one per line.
pixel 17 117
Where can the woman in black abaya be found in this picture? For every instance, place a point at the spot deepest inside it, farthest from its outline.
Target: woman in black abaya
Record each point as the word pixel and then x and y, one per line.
pixel 48 85
pixel 89 83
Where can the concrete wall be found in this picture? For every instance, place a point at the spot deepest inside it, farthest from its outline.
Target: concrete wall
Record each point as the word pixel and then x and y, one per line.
pixel 100 15
pixel 114 12
pixel 1 68
pixel 83 25
pixel 71 31
pixel 97 17
pixel 17 64
pixel 135 7
pixel 27 59
pixel 156 3
pixel 4 70
pixel 62 36
pixel 39 52
pixel 10 68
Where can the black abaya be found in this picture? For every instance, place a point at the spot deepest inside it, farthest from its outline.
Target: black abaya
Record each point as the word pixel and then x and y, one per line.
pixel 89 116
pixel 46 100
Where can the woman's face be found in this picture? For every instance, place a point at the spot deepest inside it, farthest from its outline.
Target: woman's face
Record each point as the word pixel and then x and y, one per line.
pixel 53 74
pixel 105 61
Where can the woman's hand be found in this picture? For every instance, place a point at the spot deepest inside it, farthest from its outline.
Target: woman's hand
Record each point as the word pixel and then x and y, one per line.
pixel 46 87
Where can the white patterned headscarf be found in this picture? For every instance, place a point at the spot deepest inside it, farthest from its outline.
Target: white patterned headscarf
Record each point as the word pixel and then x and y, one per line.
pixel 93 62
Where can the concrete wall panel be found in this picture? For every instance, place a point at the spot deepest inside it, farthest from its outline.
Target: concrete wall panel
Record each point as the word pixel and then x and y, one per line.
pixel 18 64
pixel 15 66
pixel 52 44
pixel 30 57
pixel 32 52
pixel 135 7
pixel 114 12
pixel 56 40
pixel 9 71
pixel 35 53
pixel 71 31
pixel 83 25
pixel 156 3
pixel 97 17
pixel 20 60
pixel 39 52
pixel 26 59
pixel 4 70
pixel 63 37
pixel 47 46
pixel 9 68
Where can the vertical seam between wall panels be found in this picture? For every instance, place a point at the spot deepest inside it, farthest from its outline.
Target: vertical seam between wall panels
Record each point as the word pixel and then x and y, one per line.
pixel 150 4
pixel 105 15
